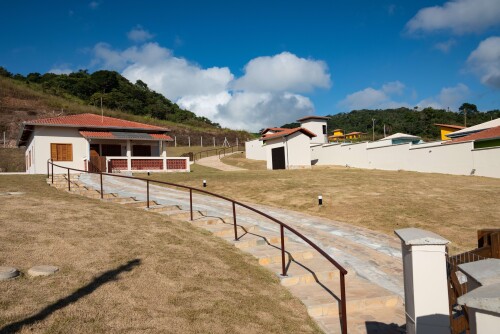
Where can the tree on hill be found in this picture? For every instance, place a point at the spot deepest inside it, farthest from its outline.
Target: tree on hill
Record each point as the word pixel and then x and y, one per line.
pixel 115 92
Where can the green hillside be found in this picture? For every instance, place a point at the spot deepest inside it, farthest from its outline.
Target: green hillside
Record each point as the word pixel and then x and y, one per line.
pixel 415 122
pixel 49 95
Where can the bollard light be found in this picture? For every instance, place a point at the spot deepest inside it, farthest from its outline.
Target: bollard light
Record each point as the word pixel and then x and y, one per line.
pixel 148 173
pixel 320 200
pixel 204 183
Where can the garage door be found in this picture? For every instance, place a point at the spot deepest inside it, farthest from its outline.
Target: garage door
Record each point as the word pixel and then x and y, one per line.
pixel 278 155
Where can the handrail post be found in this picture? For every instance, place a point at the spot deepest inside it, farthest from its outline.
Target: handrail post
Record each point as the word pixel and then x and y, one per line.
pixel 47 168
pixel 343 301
pixel 234 222
pixel 147 198
pixel 283 265
pixel 191 202
pixel 102 191
pixel 69 182
pixel 52 172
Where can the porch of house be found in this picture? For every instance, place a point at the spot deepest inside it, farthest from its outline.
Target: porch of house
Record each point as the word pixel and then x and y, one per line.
pixel 114 156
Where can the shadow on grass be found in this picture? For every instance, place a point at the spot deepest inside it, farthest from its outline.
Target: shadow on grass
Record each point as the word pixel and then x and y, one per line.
pixel 104 278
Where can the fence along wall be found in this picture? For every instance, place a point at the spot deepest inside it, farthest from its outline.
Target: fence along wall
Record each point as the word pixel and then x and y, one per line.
pixel 458 159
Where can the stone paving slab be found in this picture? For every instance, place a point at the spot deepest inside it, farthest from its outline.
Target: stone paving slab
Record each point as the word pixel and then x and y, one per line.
pixel 372 255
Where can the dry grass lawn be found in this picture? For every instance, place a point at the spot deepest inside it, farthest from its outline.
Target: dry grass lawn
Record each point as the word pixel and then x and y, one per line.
pixel 452 206
pixel 125 270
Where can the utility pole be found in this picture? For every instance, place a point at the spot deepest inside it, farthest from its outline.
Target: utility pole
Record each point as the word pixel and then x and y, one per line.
pixel 102 112
pixel 175 141
pixel 384 130
pixel 465 117
pixel 4 139
pixel 201 141
pixel 214 141
pixel 373 129
pixel 189 141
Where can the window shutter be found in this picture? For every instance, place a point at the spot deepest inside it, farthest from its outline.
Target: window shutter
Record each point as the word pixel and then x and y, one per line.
pixel 53 151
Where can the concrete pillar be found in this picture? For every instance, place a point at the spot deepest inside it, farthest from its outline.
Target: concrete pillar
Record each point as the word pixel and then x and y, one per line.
pixel 425 280
pixel 129 154
pixel 163 148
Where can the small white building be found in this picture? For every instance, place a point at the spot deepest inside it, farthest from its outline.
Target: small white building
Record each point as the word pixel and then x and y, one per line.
pixel 318 126
pixel 288 148
pixel 98 144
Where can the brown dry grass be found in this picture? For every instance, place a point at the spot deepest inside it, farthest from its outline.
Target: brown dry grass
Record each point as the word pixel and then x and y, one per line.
pixel 125 270
pixel 12 160
pixel 238 160
pixel 452 206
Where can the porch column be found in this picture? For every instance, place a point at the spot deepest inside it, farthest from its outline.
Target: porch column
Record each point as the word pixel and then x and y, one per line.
pixel 425 281
pixel 163 145
pixel 129 154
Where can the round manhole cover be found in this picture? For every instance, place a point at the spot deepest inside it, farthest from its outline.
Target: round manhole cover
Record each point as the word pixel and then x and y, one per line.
pixel 43 270
pixel 8 272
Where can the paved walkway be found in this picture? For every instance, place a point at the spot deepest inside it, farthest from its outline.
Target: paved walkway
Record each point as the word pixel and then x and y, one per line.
pixel 214 162
pixel 372 255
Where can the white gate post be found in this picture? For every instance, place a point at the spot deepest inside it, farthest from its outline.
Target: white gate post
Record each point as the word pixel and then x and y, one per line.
pixel 426 281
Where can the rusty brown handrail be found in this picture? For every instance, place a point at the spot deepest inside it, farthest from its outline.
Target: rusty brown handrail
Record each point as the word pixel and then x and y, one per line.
pixel 341 269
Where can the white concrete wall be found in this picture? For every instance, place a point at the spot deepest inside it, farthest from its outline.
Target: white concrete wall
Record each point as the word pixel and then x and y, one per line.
pixel 298 151
pixel 44 136
pixel 316 127
pixel 483 322
pixel 255 150
pixel 486 162
pixel 436 157
pixel 30 150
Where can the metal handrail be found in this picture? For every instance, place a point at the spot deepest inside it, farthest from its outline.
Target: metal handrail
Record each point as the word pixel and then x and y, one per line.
pixel 218 152
pixel 341 269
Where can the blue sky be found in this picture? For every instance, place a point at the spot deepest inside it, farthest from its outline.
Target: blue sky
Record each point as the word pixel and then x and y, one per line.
pixel 264 63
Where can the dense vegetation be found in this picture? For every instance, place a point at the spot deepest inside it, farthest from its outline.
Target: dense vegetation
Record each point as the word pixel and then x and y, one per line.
pixel 115 92
pixel 415 122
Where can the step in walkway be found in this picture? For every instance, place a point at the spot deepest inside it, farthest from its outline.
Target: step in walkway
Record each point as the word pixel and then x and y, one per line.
pixel 374 285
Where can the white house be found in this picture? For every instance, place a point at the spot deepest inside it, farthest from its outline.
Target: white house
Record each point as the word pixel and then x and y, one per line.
pixel 288 148
pixel 96 143
pixel 317 125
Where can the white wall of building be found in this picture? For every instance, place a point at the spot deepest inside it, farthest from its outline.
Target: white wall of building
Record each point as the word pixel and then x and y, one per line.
pixel 44 136
pixel 316 127
pixel 255 150
pixel 297 147
pixel 436 157
pixel 297 151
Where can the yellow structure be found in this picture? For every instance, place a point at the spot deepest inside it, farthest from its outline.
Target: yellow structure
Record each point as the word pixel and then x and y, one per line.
pixel 338 135
pixel 447 129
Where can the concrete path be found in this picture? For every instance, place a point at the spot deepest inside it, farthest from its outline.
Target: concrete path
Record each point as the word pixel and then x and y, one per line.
pixel 373 256
pixel 214 162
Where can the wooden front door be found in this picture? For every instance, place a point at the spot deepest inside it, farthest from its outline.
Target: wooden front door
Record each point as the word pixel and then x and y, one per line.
pixel 97 164
pixel 278 155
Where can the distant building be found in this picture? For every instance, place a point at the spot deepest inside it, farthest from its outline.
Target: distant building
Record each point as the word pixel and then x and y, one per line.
pixel 338 135
pixel 446 129
pixel 318 126
pixel 288 149
pixel 484 139
pixel 399 138
pixel 97 144
pixel 476 128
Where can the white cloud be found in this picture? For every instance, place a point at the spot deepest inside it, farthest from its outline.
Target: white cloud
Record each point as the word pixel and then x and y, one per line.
pixel 94 4
pixel 445 46
pixel 139 34
pixel 283 72
pixel 485 61
pixel 60 70
pixel 449 97
pixel 459 16
pixel 371 98
pixel 208 91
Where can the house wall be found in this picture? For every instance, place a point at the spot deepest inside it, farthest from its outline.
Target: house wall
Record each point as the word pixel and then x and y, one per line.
pixel 299 151
pixel 436 157
pixel 316 127
pixel 255 150
pixel 270 144
pixel 44 136
pixel 30 151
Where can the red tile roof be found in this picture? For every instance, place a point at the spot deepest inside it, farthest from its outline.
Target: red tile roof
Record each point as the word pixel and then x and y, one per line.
pixel 307 118
pixel 287 132
pixel 125 135
pixel 458 127
pixel 485 134
pixel 272 129
pixel 93 121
